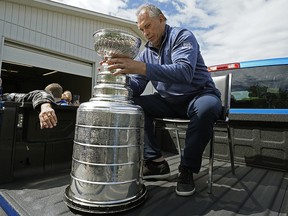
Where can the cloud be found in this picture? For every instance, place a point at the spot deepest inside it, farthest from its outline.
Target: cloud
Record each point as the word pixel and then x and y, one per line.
pixel 241 30
pixel 227 31
pixel 231 31
pixel 110 7
pixel 116 8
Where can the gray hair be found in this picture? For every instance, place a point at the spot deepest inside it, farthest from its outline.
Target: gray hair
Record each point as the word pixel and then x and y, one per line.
pixel 152 10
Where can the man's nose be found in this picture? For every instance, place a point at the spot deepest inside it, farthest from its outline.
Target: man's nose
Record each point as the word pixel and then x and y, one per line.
pixel 146 33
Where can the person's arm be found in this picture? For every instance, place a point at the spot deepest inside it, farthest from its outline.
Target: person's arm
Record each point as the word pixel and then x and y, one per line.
pixel 138 81
pixel 138 84
pixel 41 101
pixel 176 66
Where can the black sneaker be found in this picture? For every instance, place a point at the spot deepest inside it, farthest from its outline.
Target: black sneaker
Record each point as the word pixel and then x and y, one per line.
pixel 185 183
pixel 156 170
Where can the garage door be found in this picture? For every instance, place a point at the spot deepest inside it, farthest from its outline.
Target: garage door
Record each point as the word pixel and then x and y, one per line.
pixel 39 58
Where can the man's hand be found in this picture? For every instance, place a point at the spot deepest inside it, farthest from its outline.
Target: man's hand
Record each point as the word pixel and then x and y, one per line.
pixel 126 66
pixel 47 116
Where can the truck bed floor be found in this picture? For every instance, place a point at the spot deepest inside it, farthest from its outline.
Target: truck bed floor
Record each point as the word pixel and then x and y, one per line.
pixel 252 191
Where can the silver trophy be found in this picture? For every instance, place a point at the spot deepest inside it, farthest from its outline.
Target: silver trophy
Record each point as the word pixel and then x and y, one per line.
pixel 111 42
pixel 106 173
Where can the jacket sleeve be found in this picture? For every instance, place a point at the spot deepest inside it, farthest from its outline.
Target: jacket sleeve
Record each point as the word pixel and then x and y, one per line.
pixel 138 84
pixel 37 98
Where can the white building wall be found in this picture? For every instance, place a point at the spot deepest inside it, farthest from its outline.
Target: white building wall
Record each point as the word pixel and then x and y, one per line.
pixel 58 31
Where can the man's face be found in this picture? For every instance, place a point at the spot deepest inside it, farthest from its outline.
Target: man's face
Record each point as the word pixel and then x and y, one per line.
pixel 151 27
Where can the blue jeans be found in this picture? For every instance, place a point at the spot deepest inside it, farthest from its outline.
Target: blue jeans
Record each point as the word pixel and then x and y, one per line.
pixel 202 111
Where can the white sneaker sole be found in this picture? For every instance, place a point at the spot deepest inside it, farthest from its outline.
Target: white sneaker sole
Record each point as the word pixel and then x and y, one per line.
pixel 182 193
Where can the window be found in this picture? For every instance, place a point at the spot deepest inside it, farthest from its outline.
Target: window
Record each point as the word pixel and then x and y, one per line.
pixel 259 87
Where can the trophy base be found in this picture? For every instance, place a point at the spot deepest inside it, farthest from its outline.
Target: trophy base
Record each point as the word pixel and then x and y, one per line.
pixel 92 207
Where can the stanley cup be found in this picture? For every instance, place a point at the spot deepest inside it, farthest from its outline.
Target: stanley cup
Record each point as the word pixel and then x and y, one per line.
pixel 110 42
pixel 106 173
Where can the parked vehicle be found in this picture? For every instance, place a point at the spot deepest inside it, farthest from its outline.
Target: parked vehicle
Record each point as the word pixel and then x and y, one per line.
pixel 36 163
pixel 258 87
pixel 259 108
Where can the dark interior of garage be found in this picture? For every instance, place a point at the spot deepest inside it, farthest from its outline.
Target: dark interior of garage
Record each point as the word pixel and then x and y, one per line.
pixel 22 79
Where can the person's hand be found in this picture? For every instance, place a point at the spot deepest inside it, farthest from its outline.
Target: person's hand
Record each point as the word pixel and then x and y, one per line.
pixel 118 65
pixel 47 116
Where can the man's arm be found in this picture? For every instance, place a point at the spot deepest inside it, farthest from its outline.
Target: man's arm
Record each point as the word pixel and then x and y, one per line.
pixel 41 101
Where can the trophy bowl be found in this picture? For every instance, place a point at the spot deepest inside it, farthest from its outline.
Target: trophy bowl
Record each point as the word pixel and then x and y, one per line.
pixel 114 42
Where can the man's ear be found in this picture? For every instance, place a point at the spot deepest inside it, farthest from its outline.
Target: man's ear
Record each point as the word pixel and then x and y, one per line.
pixel 162 18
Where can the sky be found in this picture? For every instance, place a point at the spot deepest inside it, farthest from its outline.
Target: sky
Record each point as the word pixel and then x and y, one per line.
pixel 227 30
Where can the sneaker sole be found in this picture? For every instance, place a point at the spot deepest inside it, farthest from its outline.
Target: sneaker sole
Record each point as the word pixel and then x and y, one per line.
pixel 182 193
pixel 157 176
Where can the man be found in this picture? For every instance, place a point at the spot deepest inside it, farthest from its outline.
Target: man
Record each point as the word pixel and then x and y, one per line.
pixel 42 101
pixel 173 63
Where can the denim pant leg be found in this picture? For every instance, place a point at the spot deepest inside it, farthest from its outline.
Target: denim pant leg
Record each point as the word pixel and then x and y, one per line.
pixel 203 111
pixel 153 106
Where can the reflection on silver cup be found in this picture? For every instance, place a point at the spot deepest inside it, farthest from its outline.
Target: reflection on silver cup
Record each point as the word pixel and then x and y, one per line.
pixel 106 173
pixel 111 42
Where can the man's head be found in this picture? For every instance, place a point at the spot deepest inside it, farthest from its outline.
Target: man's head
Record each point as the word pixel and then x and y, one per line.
pixel 151 22
pixel 67 95
pixel 55 89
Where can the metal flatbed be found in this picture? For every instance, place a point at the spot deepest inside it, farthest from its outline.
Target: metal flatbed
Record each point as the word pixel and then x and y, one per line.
pixel 252 191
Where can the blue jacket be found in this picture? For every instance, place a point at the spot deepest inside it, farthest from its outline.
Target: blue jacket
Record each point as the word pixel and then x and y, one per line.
pixel 177 71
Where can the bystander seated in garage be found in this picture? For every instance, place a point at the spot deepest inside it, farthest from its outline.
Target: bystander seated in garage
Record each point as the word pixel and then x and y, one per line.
pixel 66 98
